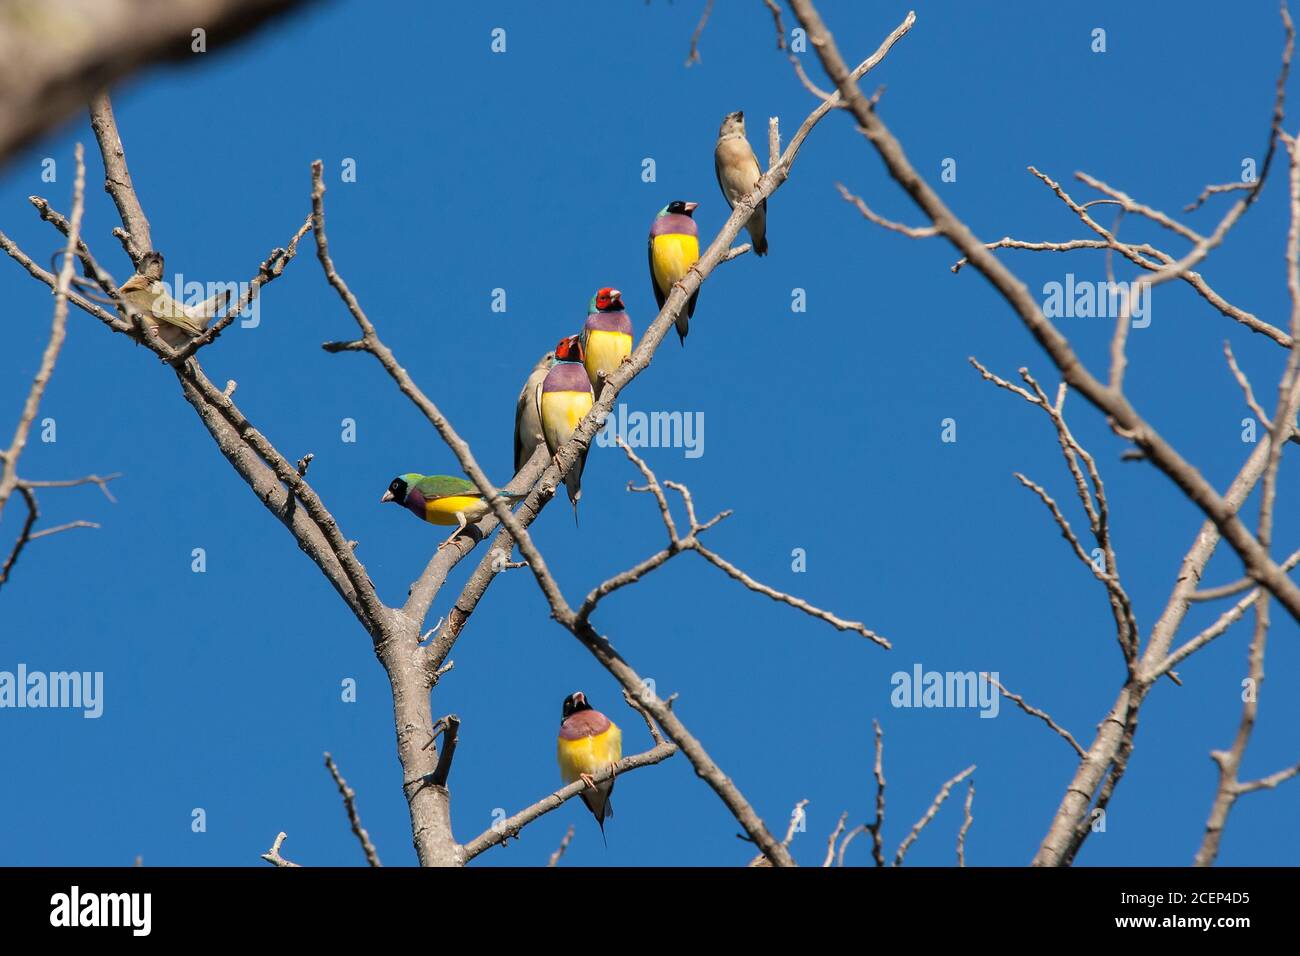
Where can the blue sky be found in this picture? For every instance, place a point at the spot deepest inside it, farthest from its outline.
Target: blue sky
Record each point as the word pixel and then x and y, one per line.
pixel 522 171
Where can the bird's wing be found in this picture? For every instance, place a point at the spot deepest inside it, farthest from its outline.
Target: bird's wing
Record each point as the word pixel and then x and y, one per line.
pixel 753 158
pixel 209 308
pixel 717 171
pixel 654 284
pixel 537 404
pixel 445 486
pixel 525 397
pixel 151 300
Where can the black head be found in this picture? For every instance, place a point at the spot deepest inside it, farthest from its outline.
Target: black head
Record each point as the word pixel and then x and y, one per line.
pixel 396 491
pixel 573 703
pixel 679 207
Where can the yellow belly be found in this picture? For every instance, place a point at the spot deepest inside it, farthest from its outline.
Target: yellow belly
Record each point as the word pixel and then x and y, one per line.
pixel 589 754
pixel 561 413
pixel 605 352
pixel 672 256
pixel 443 510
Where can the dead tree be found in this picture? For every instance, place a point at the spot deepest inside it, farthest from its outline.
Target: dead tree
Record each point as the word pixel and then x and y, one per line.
pixel 413 656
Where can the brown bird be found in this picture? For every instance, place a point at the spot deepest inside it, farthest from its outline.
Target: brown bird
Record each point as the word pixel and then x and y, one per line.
pixel 738 173
pixel 528 423
pixel 145 294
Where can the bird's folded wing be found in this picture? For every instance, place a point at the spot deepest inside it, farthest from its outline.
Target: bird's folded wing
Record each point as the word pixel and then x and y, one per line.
pixel 445 486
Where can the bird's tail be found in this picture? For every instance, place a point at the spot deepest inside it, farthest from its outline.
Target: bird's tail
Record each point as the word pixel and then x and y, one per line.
pixel 760 246
pixel 606 812
pixel 573 484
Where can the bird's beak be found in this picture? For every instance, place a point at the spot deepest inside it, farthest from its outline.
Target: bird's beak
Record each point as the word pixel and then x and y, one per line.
pixel 615 294
pixel 691 206
pixel 388 496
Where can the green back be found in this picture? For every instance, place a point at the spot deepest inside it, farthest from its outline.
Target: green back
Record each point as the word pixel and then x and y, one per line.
pixel 441 486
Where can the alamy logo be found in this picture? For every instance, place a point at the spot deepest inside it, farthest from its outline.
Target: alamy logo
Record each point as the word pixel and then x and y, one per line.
pixel 654 430
pixel 80 690
pixel 102 909
pixel 1085 299
pixel 945 689
pixel 204 297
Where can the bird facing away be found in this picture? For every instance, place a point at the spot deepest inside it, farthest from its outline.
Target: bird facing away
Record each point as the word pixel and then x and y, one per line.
pixel 607 336
pixel 674 247
pixel 589 742
pixel 738 173
pixel 528 426
pixel 563 400
pixel 146 295
pixel 441 499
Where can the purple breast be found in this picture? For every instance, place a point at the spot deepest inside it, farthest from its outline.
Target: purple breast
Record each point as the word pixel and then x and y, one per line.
pixel 674 224
pixel 585 723
pixel 567 377
pixel 415 501
pixel 609 322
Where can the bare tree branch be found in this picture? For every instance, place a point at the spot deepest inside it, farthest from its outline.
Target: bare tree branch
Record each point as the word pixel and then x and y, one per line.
pixel 43 83
pixel 273 855
pixel 967 820
pixel 350 804
pixel 694 55
pixel 914 232
pixel 58 332
pixel 921 824
pixel 1035 712
pixel 1109 752
pixel 9 478
pixel 559 850
pixel 503 830
pixel 831 840
pixel 1209 191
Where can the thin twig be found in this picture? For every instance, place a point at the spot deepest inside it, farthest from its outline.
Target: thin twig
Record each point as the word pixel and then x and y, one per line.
pixel 273 856
pixel 835 835
pixel 559 850
pixel 350 804
pixel 967 820
pixel 921 824
pixel 1035 712
pixel 694 55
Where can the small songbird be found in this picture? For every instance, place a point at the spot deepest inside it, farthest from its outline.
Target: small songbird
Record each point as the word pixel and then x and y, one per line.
pixel 442 499
pixel 145 294
pixel 563 400
pixel 528 426
pixel 589 742
pixel 674 246
pixel 607 336
pixel 738 173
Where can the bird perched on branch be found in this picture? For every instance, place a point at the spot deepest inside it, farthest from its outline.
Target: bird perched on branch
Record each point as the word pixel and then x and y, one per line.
pixel 442 499
pixel 563 400
pixel 145 294
pixel 674 248
pixel 738 173
pixel 528 426
pixel 589 742
pixel 607 336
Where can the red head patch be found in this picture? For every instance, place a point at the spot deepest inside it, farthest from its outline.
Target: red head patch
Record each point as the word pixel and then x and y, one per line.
pixel 569 349
pixel 608 298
